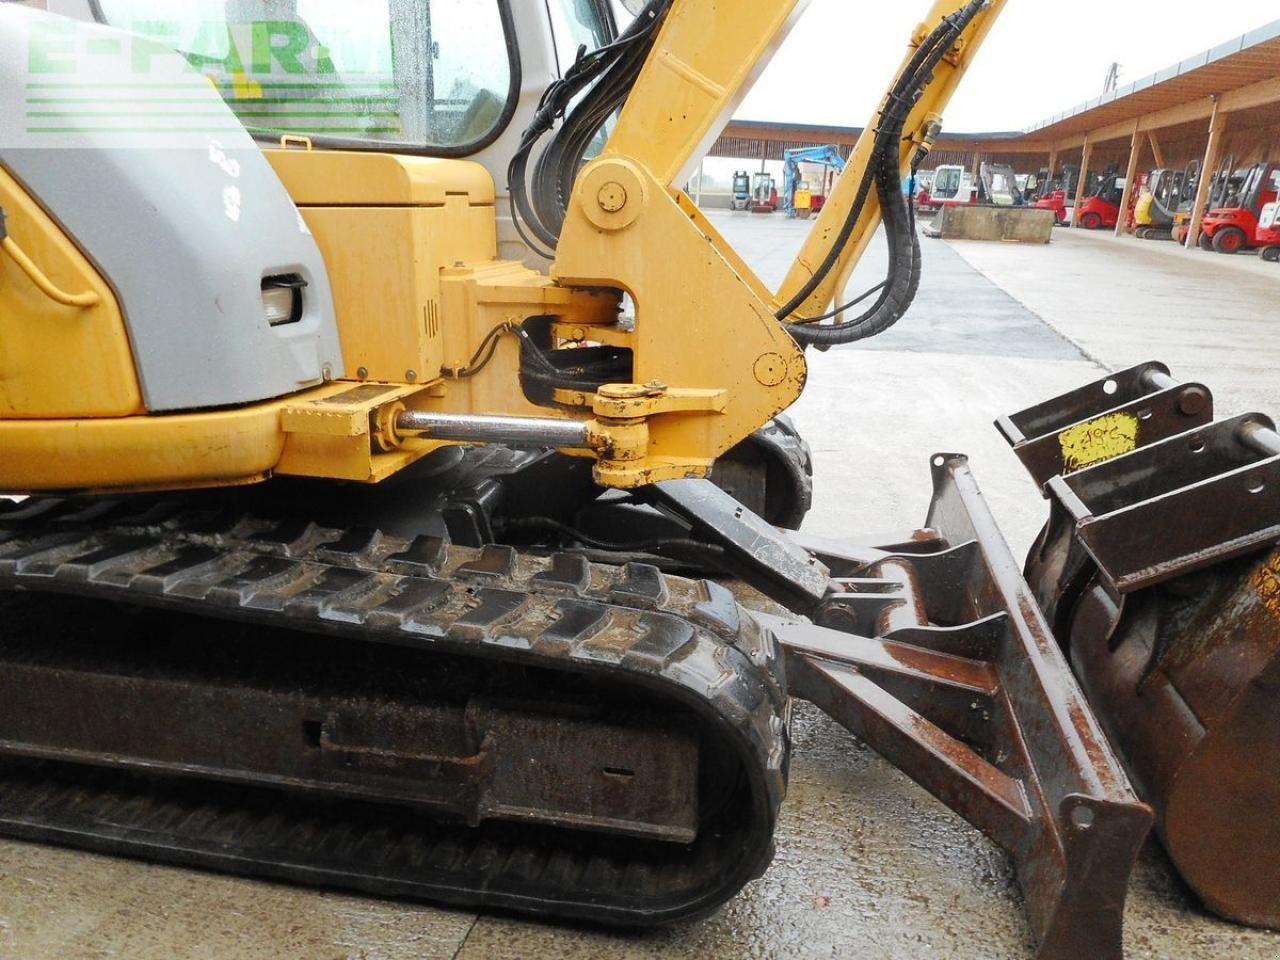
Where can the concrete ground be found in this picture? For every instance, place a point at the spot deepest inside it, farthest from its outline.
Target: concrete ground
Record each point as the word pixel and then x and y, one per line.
pixel 868 865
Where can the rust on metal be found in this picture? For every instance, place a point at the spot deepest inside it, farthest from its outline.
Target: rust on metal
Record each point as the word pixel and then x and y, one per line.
pixel 1158 574
pixel 939 659
pixel 1114 416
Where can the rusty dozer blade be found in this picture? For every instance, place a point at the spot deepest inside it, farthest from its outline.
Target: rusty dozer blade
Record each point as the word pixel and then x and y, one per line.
pixel 931 650
pixel 1158 574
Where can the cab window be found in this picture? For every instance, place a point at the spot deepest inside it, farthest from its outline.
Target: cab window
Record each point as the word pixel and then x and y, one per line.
pixel 431 75
pixel 579 24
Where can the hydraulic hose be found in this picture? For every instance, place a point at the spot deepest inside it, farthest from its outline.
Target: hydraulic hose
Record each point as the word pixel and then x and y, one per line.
pixel 38 277
pixel 883 173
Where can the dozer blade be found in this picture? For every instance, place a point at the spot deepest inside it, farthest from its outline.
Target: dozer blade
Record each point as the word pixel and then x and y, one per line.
pixel 930 649
pixel 1158 572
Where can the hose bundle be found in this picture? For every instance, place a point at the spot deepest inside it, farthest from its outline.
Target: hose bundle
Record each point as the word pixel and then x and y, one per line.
pixel 603 79
pixel 883 173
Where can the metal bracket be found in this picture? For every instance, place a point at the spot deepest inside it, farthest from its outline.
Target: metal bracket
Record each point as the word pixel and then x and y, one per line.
pixel 1180 505
pixel 1110 417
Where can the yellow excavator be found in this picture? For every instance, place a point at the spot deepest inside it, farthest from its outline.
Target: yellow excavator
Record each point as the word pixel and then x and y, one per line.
pixel 382 420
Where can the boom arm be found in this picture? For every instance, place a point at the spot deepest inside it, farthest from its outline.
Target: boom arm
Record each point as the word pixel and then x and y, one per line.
pixel 704 321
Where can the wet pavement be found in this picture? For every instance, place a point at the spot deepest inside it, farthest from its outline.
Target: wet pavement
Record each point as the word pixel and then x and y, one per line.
pixel 868 865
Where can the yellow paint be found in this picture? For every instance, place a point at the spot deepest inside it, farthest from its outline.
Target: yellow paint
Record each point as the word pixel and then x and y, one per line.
pixel 1102 439
pixel 386 225
pixel 208 449
pixel 934 102
pixel 58 360
pixel 1266 583
pixel 410 245
pixel 322 178
pixel 46 286
pixel 1142 211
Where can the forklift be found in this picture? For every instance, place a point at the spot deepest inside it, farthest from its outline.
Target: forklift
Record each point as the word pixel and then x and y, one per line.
pixel 1101 209
pixel 1233 226
pixel 1223 185
pixel 764 194
pixel 741 191
pixel 1268 237
pixel 1057 193
pixel 1157 208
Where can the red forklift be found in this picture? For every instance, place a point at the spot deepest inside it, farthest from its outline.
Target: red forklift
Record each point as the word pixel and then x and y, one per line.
pixel 1101 210
pixel 1224 184
pixel 1233 226
pixel 1268 237
pixel 764 194
pixel 1057 193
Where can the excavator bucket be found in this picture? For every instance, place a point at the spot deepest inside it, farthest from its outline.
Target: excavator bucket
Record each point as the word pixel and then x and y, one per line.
pixel 1159 576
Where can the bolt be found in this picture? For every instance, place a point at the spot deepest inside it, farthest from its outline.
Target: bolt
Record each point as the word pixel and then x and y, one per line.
pixel 411 376
pixel 363 373
pixel 612 197
pixel 623 391
pixel 1193 401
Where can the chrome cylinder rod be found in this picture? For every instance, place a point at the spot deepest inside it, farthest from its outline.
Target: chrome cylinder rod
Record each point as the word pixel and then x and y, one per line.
pixel 523 432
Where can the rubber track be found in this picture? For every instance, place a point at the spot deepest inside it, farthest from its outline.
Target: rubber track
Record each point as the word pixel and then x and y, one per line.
pixel 780 440
pixel 683 640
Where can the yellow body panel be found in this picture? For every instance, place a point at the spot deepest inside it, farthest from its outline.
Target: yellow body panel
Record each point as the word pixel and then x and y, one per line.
pixel 58 361
pixel 325 177
pixel 1142 212
pixel 410 246
pixel 326 432
pixel 205 449
pixel 386 225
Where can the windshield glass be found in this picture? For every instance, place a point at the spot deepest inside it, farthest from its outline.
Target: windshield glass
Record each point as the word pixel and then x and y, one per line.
pixel 947 183
pixel 422 73
pixel 584 25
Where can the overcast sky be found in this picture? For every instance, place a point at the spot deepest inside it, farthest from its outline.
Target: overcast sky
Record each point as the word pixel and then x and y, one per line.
pixel 1041 58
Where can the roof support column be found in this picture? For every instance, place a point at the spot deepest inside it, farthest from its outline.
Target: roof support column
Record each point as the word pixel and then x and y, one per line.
pixel 1212 156
pixel 1086 155
pixel 1155 150
pixel 1130 181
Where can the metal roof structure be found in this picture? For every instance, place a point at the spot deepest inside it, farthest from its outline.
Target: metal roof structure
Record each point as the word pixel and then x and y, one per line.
pixel 1250 59
pixel 1240 77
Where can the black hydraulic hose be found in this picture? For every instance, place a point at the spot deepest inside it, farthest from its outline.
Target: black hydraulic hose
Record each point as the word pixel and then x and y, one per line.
pixel 904 280
pixel 883 173
pixel 603 78
pixel 912 80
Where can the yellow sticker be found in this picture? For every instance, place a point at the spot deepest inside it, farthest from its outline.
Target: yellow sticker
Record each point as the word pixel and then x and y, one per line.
pixel 1098 440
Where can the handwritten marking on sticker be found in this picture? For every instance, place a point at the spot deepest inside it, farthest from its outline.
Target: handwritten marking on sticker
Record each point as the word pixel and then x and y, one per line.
pixel 1098 440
